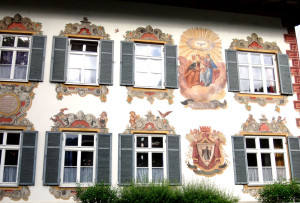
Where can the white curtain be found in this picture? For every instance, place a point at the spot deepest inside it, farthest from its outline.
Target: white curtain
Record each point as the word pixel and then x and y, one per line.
pixel 10 174
pixel 70 175
pixel 86 174
pixel 281 173
pixel 267 174
pixel 142 175
pixel 157 175
pixel 253 174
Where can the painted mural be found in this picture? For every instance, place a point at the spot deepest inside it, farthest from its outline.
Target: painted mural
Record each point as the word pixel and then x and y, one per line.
pixel 202 73
pixel 206 155
pixel 16 194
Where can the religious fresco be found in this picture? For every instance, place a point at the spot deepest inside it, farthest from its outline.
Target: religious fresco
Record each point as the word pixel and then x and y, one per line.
pixel 202 73
pixel 206 156
pixel 79 120
pixel 15 194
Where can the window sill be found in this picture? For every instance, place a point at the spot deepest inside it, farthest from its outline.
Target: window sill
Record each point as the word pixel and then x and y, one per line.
pixel 8 185
pixel 74 185
pixel 80 85
pixel 14 81
pixel 277 95
pixel 137 88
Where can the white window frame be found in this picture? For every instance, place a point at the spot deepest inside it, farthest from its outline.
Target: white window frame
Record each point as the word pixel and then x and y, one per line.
pixel 83 53
pixel 150 151
pixel 263 68
pixel 15 49
pixel 272 152
pixel 162 58
pixel 79 149
pixel 5 147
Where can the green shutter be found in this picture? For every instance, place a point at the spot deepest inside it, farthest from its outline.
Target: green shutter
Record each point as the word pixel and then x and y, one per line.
pixel 52 158
pixel 37 58
pixel 294 152
pixel 126 158
pixel 285 78
pixel 106 62
pixel 28 158
pixel 232 71
pixel 59 59
pixel 171 76
pixel 239 160
pixel 127 63
pixel 103 166
pixel 173 159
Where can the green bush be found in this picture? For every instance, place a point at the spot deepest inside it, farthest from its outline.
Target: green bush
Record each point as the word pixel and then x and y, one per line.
pixel 281 191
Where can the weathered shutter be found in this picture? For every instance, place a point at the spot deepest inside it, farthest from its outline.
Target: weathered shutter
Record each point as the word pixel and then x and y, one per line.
pixel 239 160
pixel 59 59
pixel 127 63
pixel 173 159
pixel 103 166
pixel 232 71
pixel 126 159
pixel 28 158
pixel 106 62
pixel 37 58
pixel 52 158
pixel 285 78
pixel 171 75
pixel 294 152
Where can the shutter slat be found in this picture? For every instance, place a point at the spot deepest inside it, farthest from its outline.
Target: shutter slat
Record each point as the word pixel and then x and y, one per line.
pixel 104 159
pixel 239 160
pixel 171 75
pixel 232 71
pixel 294 152
pixel 58 62
pixel 106 62
pixel 285 78
pixel 127 63
pixel 174 159
pixel 37 58
pixel 126 159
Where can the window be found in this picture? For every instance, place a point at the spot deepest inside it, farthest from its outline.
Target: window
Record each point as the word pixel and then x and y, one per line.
pixel 21 57
pixel 82 61
pixel 150 159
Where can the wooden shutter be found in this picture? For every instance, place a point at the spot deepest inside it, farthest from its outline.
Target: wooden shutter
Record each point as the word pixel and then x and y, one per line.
pixel 127 63
pixel 285 78
pixel 239 160
pixel 171 76
pixel 103 166
pixel 52 158
pixel 37 58
pixel 106 62
pixel 28 158
pixel 126 158
pixel 232 71
pixel 173 159
pixel 59 59
pixel 294 152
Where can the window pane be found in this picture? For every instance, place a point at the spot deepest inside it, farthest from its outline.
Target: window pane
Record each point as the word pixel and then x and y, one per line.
pixel 0 156
pixel 6 57
pixel 70 158
pixel 157 160
pixel 71 140
pixel 268 60
pixel 157 142
pixel 1 138
pixel 157 175
pixel 255 59
pixel 8 41
pixel 142 175
pixel 264 143
pixel 91 46
pixel 86 158
pixel 244 72
pixel 154 50
pixel 141 49
pixel 250 143
pixel 86 174
pixel 270 74
pixel 148 80
pixel 5 71
pixel 89 76
pixel 265 159
pixel 10 174
pixel 70 174
pixel 11 157
pixel 242 58
pixel 142 142
pixel 257 73
pixel 20 72
pixel 74 75
pixel 75 61
pixel 76 45
pixel 141 65
pixel 142 160
pixel 252 159
pixel 23 42
pixel 271 87
pixel 155 66
pixel 279 159
pixel 245 85
pixel 22 58
pixel 278 144
pixel 87 140
pixel 13 138
pixel 258 86
pixel 91 62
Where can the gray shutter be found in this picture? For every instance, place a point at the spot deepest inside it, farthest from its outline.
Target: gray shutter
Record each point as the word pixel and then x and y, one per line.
pixel 106 62
pixel 171 76
pixel 173 159
pixel 59 59
pixel 232 71
pixel 52 158
pixel 28 158
pixel 285 78
pixel 294 152
pixel 103 166
pixel 127 63
pixel 239 160
pixel 37 58
pixel 126 158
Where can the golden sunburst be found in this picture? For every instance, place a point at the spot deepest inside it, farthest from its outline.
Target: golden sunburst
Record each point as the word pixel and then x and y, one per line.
pixel 200 41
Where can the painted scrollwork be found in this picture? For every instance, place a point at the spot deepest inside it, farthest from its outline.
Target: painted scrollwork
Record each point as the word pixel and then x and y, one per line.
pixel 262 101
pixel 150 95
pixel 254 192
pixel 18 23
pixel 63 193
pixel 15 194
pixel 148 33
pixel 255 43
pixel 85 28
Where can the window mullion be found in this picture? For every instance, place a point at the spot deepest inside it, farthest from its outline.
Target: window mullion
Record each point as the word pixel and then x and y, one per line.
pixel 2 165
pixel 251 82
pixel 263 70
pixel 78 166
pixel 150 166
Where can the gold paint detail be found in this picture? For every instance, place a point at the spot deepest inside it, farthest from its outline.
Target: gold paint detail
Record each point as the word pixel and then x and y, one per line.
pixel 13 127
pixel 79 129
pixel 15 194
pixel 150 94
pixel 262 100
pixel 63 193
pixel 148 41
pixel 9 104
pixel 83 36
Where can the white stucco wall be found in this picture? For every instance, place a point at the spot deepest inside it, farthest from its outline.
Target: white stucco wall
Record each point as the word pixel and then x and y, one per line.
pixel 173 20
